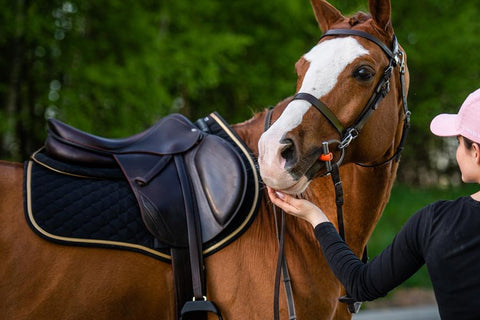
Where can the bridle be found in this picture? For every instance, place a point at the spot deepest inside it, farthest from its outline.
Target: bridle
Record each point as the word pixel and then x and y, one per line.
pixel 347 135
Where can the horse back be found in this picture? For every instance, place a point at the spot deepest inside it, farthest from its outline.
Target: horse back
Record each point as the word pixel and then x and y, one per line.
pixel 11 180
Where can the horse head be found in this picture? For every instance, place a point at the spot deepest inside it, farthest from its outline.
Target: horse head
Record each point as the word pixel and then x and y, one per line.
pixel 348 102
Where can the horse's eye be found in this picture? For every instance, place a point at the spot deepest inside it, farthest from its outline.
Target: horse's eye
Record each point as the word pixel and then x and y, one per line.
pixel 364 73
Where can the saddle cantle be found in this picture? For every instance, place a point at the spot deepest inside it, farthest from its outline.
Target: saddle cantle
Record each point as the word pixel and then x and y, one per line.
pixel 196 188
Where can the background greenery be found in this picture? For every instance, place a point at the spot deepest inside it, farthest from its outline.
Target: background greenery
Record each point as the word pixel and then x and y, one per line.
pixel 114 67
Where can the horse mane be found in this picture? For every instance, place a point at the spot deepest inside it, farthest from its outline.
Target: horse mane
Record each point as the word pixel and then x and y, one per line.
pixel 359 17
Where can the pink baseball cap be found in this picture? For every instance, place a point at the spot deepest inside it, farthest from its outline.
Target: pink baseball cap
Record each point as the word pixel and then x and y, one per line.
pixel 466 123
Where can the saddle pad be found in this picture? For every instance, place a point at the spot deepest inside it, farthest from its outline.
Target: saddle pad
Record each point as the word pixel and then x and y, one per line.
pixel 80 210
pixel 85 206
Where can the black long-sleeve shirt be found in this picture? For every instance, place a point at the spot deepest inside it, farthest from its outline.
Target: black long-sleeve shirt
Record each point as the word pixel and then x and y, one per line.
pixel 444 235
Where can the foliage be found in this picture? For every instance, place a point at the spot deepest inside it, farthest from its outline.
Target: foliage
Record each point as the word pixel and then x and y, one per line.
pixel 439 38
pixel 115 67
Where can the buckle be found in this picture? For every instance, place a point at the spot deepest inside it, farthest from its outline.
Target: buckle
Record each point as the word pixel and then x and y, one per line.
pixel 353 306
pixel 351 134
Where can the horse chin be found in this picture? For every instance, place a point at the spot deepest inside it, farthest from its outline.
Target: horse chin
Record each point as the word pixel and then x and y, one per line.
pixel 299 187
pixel 289 186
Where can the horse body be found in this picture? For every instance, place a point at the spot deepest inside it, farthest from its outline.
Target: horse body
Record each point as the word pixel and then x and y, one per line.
pixel 43 280
pixel 50 281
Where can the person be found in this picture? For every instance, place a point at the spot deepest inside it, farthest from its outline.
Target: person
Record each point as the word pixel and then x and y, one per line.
pixel 444 235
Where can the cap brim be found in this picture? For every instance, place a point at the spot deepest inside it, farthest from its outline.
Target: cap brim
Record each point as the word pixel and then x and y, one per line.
pixel 444 125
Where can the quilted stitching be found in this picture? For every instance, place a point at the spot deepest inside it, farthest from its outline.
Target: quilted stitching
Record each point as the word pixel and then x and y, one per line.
pixel 87 208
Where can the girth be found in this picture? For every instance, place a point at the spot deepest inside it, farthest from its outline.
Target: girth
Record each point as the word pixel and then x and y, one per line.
pixel 192 182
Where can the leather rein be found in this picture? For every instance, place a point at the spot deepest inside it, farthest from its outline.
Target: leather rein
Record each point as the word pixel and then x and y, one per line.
pixel 347 135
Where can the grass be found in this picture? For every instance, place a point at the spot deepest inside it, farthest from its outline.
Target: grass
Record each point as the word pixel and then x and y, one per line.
pixel 404 202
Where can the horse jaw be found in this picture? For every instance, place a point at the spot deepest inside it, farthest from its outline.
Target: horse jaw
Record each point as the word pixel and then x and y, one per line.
pixel 327 60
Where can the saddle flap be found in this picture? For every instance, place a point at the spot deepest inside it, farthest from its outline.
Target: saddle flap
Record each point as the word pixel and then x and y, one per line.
pixel 219 181
pixel 161 200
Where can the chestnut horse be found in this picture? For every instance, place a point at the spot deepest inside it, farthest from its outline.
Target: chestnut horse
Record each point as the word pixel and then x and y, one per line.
pixel 44 280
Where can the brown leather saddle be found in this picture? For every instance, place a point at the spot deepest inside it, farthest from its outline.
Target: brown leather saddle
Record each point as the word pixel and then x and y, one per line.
pixel 191 184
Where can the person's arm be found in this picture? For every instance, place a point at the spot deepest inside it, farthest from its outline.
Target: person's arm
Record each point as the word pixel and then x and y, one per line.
pixel 363 282
pixel 395 264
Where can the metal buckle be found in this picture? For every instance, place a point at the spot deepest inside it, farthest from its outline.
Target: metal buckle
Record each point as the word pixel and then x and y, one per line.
pixel 400 61
pixel 352 133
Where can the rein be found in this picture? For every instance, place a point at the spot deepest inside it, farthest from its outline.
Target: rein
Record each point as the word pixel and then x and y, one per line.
pixel 282 267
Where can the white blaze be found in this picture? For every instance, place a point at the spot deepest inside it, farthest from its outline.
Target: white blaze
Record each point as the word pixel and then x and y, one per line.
pixel 327 60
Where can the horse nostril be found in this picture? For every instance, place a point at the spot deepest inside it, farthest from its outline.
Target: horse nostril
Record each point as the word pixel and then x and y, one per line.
pixel 288 151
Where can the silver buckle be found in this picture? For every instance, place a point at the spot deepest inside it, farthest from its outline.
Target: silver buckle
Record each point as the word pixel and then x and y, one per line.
pixel 352 133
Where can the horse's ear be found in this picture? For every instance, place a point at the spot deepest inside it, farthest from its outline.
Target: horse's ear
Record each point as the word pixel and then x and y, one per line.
pixel 381 14
pixel 326 14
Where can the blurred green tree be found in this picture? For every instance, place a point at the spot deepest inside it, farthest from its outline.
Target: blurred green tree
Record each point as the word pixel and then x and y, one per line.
pixel 440 38
pixel 115 67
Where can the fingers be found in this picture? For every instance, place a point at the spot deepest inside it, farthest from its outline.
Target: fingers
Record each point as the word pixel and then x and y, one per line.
pixel 281 200
pixel 280 195
pixel 277 196
pixel 297 207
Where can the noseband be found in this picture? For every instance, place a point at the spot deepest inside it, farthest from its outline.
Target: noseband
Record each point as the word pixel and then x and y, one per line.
pixel 347 135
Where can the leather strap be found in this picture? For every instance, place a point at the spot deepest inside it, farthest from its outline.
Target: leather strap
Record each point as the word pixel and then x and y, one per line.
pixel 194 239
pixel 339 200
pixel 282 269
pixel 182 278
pixel 352 304
pixel 362 34
pixel 199 306
pixel 323 109
pixel 282 266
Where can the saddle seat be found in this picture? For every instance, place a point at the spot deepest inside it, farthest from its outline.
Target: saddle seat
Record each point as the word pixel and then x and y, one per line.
pixel 172 134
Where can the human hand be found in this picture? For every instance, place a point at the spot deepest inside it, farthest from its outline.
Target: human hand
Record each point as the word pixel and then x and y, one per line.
pixel 297 207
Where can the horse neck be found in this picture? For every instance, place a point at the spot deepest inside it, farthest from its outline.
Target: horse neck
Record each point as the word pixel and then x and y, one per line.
pixel 366 193
pixel 251 130
pixel 366 190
